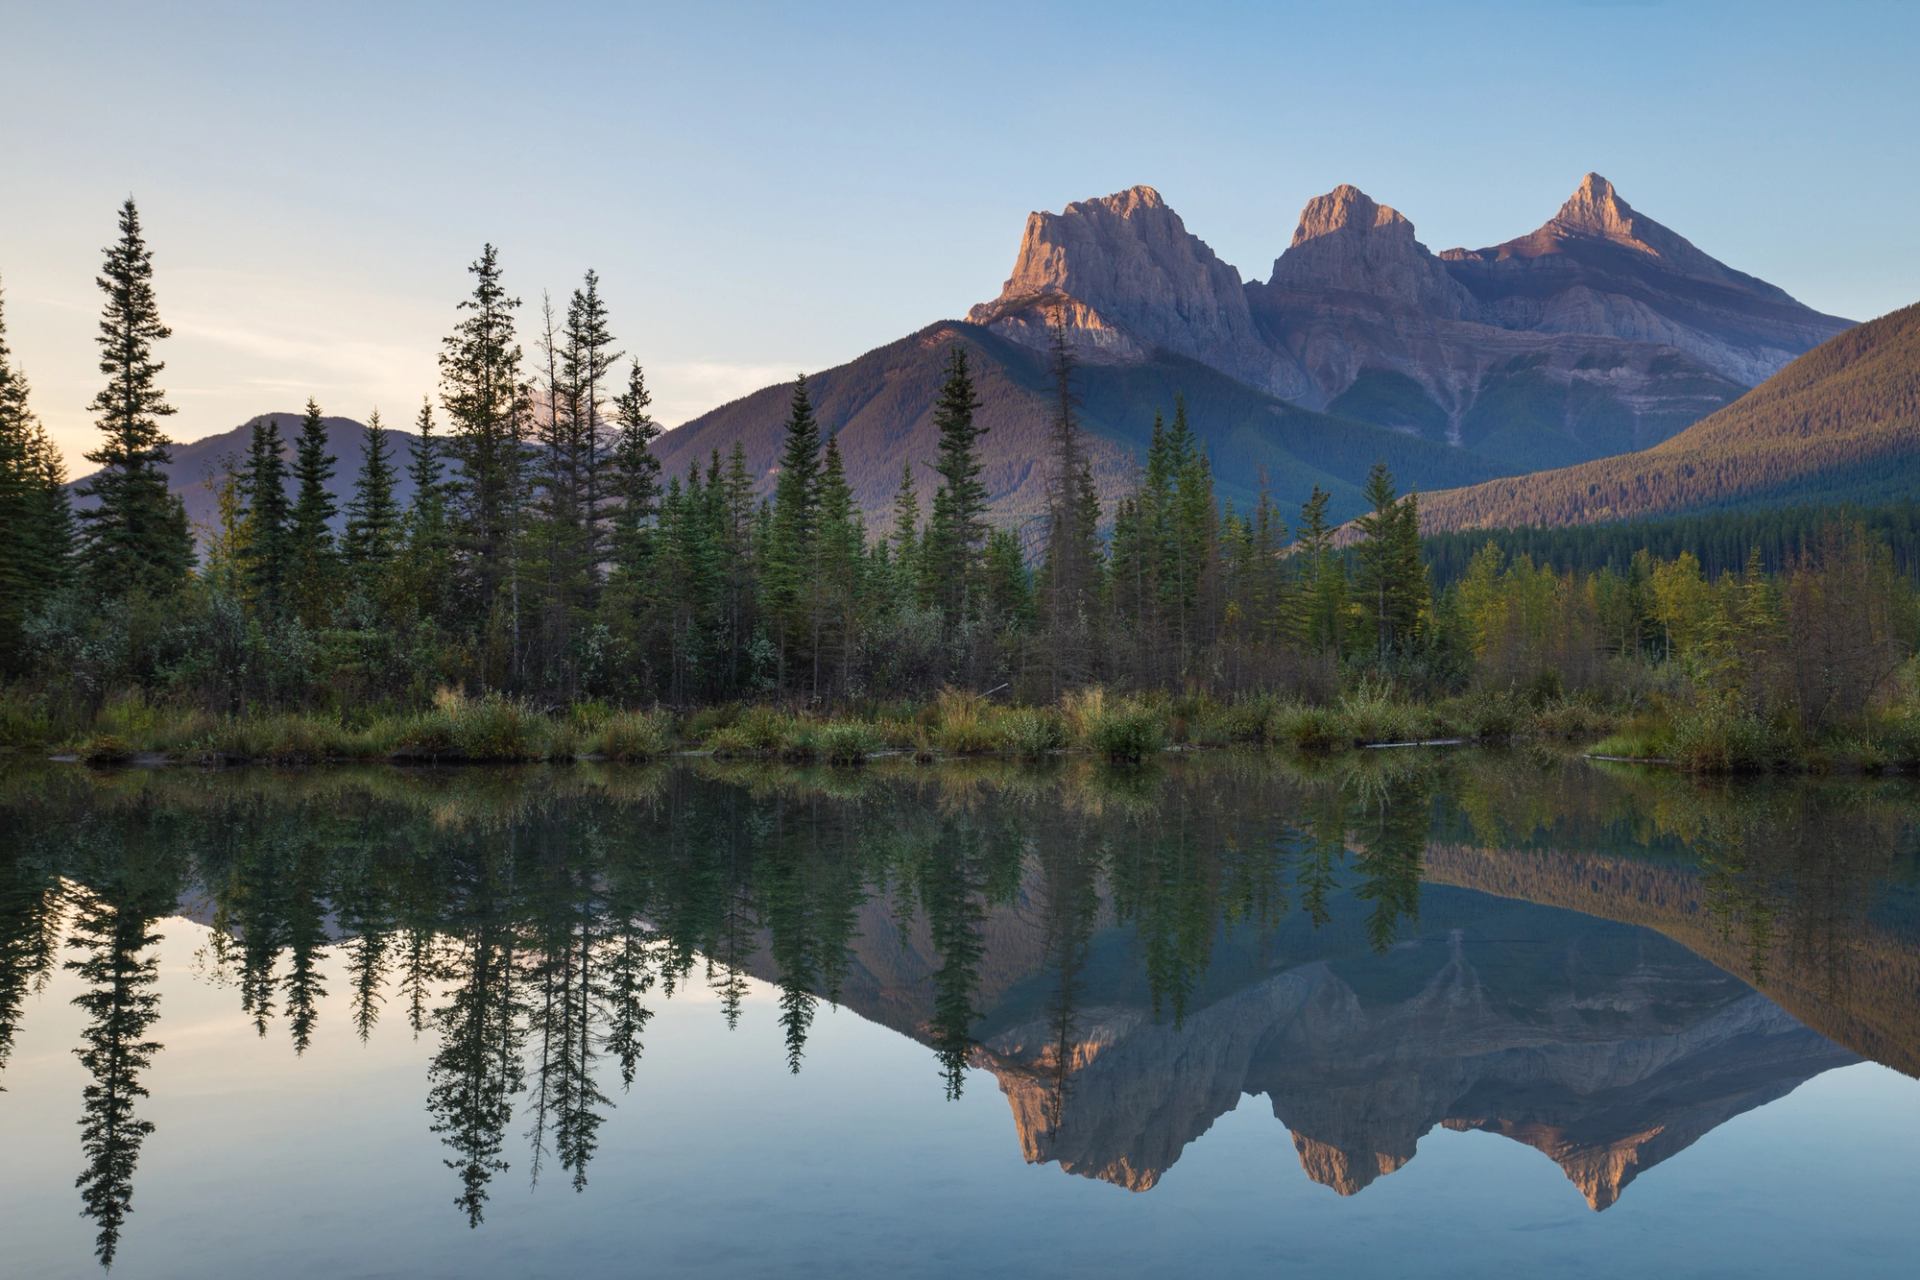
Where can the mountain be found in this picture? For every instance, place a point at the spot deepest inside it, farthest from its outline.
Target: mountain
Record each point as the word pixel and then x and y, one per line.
pixel 1840 423
pixel 880 409
pixel 197 465
pixel 1599 333
pixel 1382 329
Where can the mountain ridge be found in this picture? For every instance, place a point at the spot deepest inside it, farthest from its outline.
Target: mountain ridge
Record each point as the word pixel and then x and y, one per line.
pixel 1841 421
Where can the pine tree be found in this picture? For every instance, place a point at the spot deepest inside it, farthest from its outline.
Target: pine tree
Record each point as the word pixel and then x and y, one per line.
pixel 482 391
pixel 841 543
pixel 791 551
pixel 425 527
pixel 36 524
pixel 266 533
pixel 557 534
pixel 590 360
pixel 635 480
pixel 957 529
pixel 1316 616
pixel 312 558
pixel 1390 581
pixel 905 539
pixel 373 515
pixel 1072 568
pixel 135 537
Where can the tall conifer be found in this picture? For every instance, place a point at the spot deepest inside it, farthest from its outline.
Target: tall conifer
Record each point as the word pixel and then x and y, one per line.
pixel 135 536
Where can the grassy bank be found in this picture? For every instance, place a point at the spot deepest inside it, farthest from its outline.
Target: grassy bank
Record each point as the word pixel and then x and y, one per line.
pixel 1109 725
pixel 1113 726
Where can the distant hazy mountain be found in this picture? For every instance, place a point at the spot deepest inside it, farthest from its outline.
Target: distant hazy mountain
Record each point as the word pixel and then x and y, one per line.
pixel 1841 422
pixel 198 464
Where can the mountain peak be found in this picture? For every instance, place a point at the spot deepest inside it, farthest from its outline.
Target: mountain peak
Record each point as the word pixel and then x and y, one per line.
pixel 1346 208
pixel 1595 208
pixel 1134 279
pixel 1346 242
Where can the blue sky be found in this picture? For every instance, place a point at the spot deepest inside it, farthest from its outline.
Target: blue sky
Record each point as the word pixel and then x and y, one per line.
pixel 765 189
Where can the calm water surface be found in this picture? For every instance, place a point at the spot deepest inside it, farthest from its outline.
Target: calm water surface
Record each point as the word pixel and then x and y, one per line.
pixel 1455 1014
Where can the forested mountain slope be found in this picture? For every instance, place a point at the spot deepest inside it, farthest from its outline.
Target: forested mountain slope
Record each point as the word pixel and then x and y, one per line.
pixel 1841 423
pixel 879 408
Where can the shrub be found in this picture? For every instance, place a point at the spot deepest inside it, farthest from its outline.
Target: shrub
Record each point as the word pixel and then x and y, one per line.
pixel 1717 739
pixel 24 722
pixel 1121 728
pixel 1372 713
pixel 847 742
pixel 1244 720
pixel 634 735
pixel 1311 729
pixel 104 749
pixel 964 724
pixel 756 731
pixel 1030 733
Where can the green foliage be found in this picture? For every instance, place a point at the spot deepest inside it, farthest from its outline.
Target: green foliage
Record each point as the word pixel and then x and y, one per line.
pixel 634 735
pixel 848 742
pixel 135 537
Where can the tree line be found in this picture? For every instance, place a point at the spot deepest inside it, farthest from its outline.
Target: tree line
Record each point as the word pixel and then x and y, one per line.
pixel 543 554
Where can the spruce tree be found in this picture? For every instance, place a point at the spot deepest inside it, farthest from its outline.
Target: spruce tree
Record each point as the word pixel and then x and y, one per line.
pixel 373 514
pixel 481 389
pixel 590 358
pixel 312 559
pixel 635 480
pixel 36 527
pixel 425 527
pixel 1390 579
pixel 135 537
pixel 957 530
pixel 266 534
pixel 837 578
pixel 1072 567
pixel 1316 615
pixel 790 553
pixel 905 540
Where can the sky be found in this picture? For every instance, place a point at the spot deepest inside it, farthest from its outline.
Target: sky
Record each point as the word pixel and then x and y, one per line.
pixel 772 189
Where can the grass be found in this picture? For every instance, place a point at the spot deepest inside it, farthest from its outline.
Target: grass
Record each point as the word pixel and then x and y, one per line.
pixel 1113 725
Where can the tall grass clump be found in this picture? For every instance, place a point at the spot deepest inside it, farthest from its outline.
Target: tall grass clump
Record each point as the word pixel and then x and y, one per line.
pixel 1719 739
pixel 847 742
pixel 24 722
pixel 633 735
pixel 1314 730
pixel 494 729
pixel 1031 732
pixel 1372 712
pixel 964 724
pixel 1119 728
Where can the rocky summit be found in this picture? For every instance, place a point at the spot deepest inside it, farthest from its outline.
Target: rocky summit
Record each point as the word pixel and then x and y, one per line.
pixel 1601 332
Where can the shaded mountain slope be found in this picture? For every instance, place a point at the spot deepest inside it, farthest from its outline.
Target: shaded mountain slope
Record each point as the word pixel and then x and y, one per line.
pixel 197 465
pixel 1841 422
pixel 880 409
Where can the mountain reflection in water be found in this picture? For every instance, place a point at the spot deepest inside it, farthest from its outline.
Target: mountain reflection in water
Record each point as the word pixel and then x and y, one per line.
pixel 1601 965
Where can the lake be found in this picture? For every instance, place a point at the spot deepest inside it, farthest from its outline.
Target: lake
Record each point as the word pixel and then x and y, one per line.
pixel 1422 1013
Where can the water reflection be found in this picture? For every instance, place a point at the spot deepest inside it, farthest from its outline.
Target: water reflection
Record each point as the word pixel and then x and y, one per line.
pixel 1539 949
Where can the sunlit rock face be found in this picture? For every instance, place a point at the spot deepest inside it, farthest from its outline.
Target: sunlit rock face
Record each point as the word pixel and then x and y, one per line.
pixel 1130 279
pixel 1600 332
